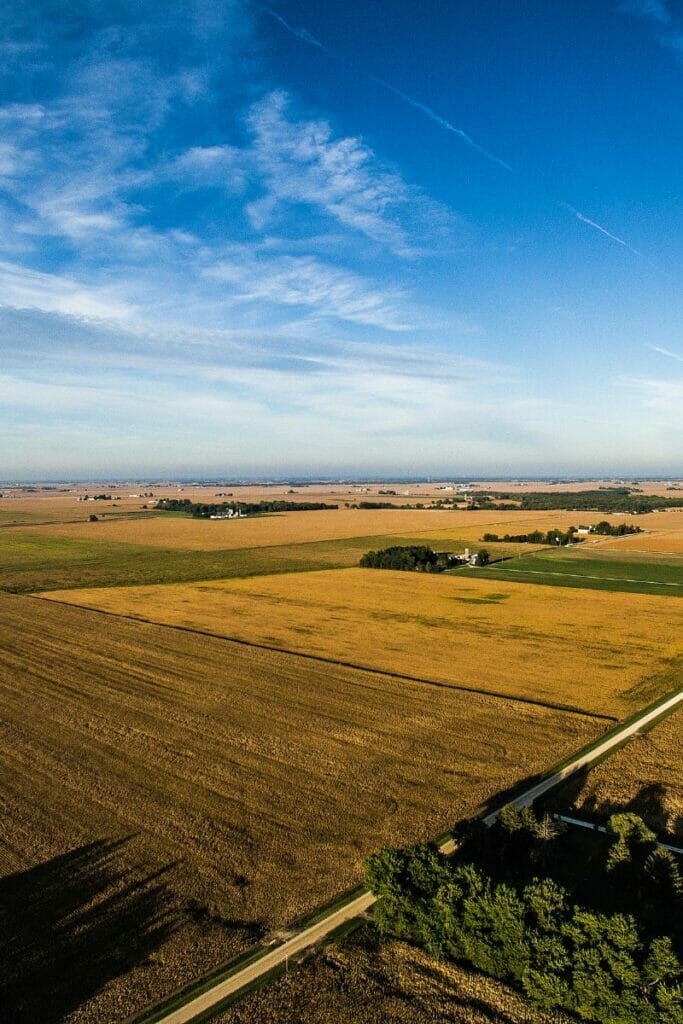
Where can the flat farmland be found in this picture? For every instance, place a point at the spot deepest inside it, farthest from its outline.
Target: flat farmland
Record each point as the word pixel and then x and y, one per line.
pixel 178 531
pixel 644 777
pixel 166 798
pixel 97 554
pixel 606 653
pixel 666 542
pixel 32 560
pixel 157 548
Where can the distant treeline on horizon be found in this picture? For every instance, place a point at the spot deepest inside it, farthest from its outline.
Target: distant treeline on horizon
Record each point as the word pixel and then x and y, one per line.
pixel 604 499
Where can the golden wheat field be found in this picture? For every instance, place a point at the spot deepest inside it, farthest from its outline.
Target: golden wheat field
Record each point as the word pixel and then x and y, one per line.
pixel 170 531
pixel 661 540
pixel 367 982
pixel 166 798
pixel 423 525
pixel 644 776
pixel 588 649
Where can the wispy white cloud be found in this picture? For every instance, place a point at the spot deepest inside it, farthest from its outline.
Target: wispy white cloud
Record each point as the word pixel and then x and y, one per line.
pixel 302 163
pixel 659 14
pixel 664 395
pixel 22 113
pixel 211 160
pixel 650 10
pixel 21 288
pixel 306 281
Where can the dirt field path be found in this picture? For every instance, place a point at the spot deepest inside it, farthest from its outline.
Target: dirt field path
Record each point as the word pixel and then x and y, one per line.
pixel 194 1008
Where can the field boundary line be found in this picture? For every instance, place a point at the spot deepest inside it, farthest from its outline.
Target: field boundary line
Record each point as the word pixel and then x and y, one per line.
pixel 585 576
pixel 494 694
pixel 269 964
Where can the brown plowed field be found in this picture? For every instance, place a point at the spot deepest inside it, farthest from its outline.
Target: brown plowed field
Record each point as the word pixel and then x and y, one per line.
pixel 165 797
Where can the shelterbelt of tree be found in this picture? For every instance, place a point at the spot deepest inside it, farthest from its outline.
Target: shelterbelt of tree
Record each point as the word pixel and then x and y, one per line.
pixel 604 499
pixel 203 509
pixel 591 925
pixel 570 536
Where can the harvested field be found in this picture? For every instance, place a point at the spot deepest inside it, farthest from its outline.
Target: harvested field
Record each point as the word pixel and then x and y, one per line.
pixel 644 777
pixel 366 982
pixel 177 531
pixel 597 651
pixel 668 542
pixel 176 795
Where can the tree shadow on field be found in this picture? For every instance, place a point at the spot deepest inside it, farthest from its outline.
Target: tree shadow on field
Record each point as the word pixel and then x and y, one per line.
pixel 504 796
pixel 649 803
pixel 72 924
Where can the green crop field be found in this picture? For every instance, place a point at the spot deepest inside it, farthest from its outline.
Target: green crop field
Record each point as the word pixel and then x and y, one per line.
pixel 561 570
pixel 35 560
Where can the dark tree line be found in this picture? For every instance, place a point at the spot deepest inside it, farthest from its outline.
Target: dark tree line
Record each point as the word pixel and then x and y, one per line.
pixel 202 510
pixel 381 504
pixel 589 924
pixel 555 537
pixel 604 499
pixel 417 558
pixel 605 529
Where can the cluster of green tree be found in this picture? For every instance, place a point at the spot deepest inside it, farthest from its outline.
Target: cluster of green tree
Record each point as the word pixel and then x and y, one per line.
pixel 569 536
pixel 380 504
pixel 605 499
pixel 606 529
pixel 417 558
pixel 96 497
pixel 202 510
pixel 536 537
pixel 497 905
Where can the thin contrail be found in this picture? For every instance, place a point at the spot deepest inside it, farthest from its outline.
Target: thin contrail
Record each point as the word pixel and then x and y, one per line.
pixel 301 33
pixel 441 121
pixel 598 227
pixel 667 352
pixel 307 37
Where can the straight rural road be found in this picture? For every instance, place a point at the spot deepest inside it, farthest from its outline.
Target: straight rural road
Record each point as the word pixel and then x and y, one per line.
pixel 582 760
pixel 196 1006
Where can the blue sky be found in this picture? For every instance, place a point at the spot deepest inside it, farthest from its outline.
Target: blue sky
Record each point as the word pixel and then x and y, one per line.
pixel 341 238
